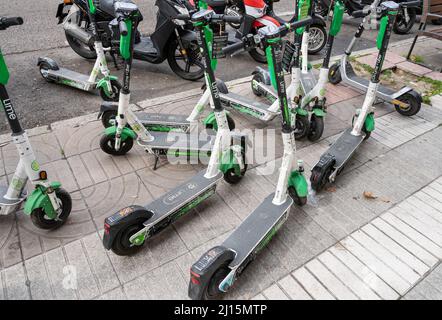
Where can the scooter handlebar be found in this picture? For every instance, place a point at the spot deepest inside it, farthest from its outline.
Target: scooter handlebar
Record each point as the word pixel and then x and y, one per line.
pixel 233 48
pixel 6 22
pixel 184 17
pixel 295 25
pixel 361 13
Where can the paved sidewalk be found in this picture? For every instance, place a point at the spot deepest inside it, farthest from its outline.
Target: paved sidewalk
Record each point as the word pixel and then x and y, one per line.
pixel 400 165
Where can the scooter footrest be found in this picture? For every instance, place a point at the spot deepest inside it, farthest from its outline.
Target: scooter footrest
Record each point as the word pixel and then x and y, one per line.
pixel 345 146
pixel 9 202
pixel 257 229
pixel 162 119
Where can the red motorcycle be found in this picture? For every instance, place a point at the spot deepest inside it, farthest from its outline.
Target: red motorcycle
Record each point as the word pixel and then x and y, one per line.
pixel 258 14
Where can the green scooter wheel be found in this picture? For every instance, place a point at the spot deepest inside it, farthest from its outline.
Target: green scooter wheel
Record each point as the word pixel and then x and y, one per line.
pixel 107 144
pixel 40 220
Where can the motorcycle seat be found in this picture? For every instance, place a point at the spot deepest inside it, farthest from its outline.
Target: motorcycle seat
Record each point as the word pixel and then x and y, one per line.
pixel 108 5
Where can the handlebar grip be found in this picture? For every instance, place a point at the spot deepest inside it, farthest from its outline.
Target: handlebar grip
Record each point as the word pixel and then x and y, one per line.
pixel 184 17
pixel 12 21
pixel 232 19
pixel 295 25
pixel 233 48
pixel 123 28
pixel 359 13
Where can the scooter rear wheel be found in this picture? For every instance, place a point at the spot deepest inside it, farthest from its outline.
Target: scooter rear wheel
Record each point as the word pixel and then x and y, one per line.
pixel 320 178
pixel 258 78
pixel 121 245
pixel 107 144
pixel 413 99
pixel 44 69
pixel 211 291
pixel 302 127
pixel 40 220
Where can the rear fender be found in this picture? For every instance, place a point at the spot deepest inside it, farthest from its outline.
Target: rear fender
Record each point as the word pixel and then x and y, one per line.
pixel 114 223
pixel 50 62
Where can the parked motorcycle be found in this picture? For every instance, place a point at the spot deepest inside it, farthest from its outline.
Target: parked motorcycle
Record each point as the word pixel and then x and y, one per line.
pixel 173 40
pixel 405 20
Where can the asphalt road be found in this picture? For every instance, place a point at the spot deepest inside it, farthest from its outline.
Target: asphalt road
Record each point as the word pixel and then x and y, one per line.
pixel 40 103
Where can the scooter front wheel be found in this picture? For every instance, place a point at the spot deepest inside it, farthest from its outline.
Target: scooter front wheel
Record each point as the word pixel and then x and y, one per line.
pixel 42 221
pixel 257 77
pixel 414 101
pixel 316 128
pixel 300 201
pixel 302 127
pixel 334 74
pixel 107 144
pixel 114 95
pixel 122 245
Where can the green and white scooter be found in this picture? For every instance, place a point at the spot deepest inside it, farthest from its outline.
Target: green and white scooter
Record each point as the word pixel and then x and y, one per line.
pixel 216 271
pixel 48 204
pixel 127 230
pixel 128 128
pixel 304 92
pixel 108 85
pixel 333 161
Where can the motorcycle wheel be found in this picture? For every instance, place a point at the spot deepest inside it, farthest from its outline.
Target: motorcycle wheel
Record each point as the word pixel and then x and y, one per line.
pixel 401 26
pixel 191 69
pixel 317 38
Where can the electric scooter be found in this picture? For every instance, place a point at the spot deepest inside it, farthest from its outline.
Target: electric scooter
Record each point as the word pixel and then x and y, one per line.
pixel 48 204
pixel 108 85
pixel 119 138
pixel 332 162
pixel 406 101
pixel 216 271
pixel 127 230
pixel 303 79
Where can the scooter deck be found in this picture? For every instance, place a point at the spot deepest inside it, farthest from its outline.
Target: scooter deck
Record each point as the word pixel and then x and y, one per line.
pixel 162 119
pixel 365 82
pixel 345 146
pixel 144 47
pixel 183 197
pixel 8 202
pixel 253 232
pixel 308 81
pixel 242 104
pixel 70 75
pixel 179 141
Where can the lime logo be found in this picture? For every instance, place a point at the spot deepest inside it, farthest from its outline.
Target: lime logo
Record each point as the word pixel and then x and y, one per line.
pixel 322 92
pixel 9 109
pixel 35 166
pixel 17 184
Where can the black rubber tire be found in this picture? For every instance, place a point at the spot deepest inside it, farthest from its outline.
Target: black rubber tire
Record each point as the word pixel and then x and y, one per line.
pixel 318 181
pixel 437 22
pixel 334 74
pixel 211 291
pixel 230 121
pixel 44 66
pixel 415 102
pixel 302 127
pixel 38 215
pixel 258 78
pixel 399 27
pixel 83 50
pixel 367 133
pixel 107 117
pixel 300 201
pixel 121 245
pixel 316 128
pixel 171 59
pixel 258 56
pixel 107 144
pixel 116 87
pixel 323 31
pixel 230 176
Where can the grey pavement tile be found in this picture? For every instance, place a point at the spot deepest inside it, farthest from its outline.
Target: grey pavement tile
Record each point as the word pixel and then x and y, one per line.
pixel 115 294
pixel 422 217
pixel 396 249
pixel 62 277
pixel 275 293
pixel 39 283
pixel 293 289
pixel 364 273
pixel 417 204
pixel 407 273
pixel 407 243
pixel 15 283
pixel 2 286
pixel 413 234
pixel 9 243
pixel 258 297
pixel 428 291
pixel 347 277
pixel 87 287
pixel 333 284
pixel 413 294
pixel 376 265
pixel 76 139
pixel 312 285
pixel 135 290
pixel 428 196
pixel 100 263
